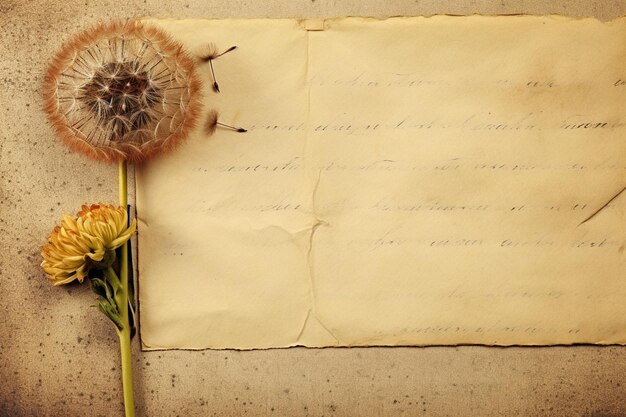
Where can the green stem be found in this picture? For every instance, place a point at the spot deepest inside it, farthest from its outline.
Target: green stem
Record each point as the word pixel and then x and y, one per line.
pixel 127 368
pixel 123 183
pixel 121 299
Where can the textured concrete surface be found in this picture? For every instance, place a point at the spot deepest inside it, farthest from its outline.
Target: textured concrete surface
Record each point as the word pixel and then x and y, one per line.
pixel 59 357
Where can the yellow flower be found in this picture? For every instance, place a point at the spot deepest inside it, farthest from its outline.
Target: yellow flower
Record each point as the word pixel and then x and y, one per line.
pixel 96 230
pixel 107 223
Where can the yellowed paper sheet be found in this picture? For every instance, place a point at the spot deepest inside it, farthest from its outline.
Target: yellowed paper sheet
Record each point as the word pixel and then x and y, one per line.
pixel 410 181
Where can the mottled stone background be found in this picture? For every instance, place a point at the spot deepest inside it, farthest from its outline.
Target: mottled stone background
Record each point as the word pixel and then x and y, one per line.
pixel 59 357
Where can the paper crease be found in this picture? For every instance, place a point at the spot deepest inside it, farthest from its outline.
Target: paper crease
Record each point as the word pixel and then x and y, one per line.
pixel 317 221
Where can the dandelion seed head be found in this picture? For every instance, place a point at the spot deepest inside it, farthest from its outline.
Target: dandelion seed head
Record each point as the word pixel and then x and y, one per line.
pixel 122 91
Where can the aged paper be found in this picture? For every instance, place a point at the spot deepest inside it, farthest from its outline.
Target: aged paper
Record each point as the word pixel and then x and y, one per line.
pixel 409 181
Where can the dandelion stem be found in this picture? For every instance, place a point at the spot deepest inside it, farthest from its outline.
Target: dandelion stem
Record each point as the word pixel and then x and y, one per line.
pixel 121 300
pixel 123 183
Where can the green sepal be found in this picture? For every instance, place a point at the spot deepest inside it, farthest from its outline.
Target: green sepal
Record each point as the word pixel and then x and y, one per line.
pixel 107 261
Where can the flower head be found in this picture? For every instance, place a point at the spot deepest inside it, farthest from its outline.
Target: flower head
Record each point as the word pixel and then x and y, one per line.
pixel 80 242
pixel 107 223
pixel 122 91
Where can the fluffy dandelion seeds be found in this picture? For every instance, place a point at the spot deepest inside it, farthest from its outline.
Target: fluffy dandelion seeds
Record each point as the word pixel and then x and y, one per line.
pixel 208 55
pixel 122 91
pixel 212 123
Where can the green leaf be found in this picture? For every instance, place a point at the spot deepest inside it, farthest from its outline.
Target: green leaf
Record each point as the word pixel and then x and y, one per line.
pixel 100 288
pixel 106 299
pixel 113 280
pixel 110 310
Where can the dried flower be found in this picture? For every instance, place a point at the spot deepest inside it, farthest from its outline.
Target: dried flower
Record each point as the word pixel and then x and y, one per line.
pixel 82 241
pixel 122 91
